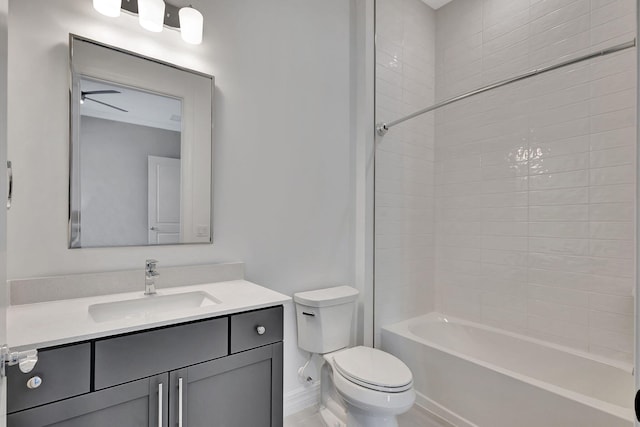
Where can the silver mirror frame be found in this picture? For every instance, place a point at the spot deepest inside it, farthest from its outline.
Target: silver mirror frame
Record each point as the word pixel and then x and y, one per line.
pixel 74 142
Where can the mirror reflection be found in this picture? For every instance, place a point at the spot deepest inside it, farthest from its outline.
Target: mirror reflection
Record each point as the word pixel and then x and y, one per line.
pixel 130 166
pixel 137 176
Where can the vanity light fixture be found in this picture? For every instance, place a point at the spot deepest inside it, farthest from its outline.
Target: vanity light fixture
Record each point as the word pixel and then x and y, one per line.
pixel 151 15
pixel 110 8
pixel 154 15
pixel 191 23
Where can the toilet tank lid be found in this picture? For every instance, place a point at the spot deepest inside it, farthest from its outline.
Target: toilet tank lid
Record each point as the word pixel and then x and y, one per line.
pixel 326 297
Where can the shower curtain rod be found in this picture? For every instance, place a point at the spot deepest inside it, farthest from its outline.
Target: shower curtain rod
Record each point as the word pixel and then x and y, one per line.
pixel 383 128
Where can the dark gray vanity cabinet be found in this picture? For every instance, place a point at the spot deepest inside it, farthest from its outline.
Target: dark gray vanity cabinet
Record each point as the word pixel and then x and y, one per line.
pixel 241 390
pixel 134 404
pixel 187 375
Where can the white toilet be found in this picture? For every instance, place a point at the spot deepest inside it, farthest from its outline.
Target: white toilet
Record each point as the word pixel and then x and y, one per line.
pixel 360 386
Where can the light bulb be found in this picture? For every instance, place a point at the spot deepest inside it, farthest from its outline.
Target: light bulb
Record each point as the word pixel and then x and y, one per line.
pixel 110 8
pixel 151 14
pixel 191 22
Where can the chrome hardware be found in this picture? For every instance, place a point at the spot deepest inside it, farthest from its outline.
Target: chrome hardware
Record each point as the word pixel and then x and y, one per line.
pixel 309 314
pixel 179 402
pixel 151 265
pixel 383 128
pixel 34 382
pixel 27 364
pixel 160 405
pixel 150 275
pixel 26 360
pixel 261 330
pixel 10 189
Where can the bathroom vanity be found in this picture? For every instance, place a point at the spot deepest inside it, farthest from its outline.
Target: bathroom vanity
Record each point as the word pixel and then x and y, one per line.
pixel 212 365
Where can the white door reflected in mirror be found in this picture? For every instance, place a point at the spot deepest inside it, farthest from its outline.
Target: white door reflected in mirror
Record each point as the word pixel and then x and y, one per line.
pixel 164 200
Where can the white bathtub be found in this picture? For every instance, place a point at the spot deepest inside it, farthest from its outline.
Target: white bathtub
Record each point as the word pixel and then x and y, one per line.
pixel 474 375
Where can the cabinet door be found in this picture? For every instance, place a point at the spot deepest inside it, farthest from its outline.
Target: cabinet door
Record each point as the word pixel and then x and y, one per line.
pixel 140 403
pixel 241 390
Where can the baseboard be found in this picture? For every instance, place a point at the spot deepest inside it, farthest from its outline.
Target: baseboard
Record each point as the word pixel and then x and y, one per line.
pixel 440 411
pixel 301 398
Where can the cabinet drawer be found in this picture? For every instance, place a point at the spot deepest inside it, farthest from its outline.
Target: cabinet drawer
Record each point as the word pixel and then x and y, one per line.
pixel 244 328
pixel 130 357
pixel 64 371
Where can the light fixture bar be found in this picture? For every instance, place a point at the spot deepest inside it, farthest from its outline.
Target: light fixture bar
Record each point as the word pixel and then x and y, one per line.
pixel 157 14
pixel 171 18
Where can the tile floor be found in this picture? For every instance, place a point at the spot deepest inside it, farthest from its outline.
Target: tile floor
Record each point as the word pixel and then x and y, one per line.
pixel 416 417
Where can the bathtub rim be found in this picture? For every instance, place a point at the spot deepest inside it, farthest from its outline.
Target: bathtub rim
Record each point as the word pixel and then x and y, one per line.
pixel 402 328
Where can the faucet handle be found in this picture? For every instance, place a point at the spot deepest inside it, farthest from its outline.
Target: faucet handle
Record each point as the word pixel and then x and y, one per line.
pixel 150 265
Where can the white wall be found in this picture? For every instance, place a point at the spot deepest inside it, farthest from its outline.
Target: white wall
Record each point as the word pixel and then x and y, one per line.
pixel 404 193
pixel 283 181
pixel 536 182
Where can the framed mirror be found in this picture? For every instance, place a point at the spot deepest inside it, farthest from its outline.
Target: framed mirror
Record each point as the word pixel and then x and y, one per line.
pixel 140 150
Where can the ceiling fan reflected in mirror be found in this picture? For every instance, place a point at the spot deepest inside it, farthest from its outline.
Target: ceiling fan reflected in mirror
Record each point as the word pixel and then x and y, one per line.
pixel 84 97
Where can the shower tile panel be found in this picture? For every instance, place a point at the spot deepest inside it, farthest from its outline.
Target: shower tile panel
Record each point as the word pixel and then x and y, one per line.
pixel 612 304
pixel 405 172
pixel 515 207
pixel 535 182
pixel 566 229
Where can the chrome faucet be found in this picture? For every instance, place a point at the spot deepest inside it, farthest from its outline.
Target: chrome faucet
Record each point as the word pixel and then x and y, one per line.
pixel 150 275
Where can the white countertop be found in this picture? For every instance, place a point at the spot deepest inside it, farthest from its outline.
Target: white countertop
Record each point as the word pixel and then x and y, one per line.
pixel 52 323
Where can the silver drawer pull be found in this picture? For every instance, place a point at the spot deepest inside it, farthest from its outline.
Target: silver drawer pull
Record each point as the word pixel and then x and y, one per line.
pixel 179 402
pixel 10 189
pixel 160 405
pixel 261 330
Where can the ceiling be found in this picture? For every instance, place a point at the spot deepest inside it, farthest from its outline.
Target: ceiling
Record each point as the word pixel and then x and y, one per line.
pixel 435 4
pixel 143 108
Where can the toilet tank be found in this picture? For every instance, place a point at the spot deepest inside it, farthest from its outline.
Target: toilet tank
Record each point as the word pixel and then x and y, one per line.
pixel 325 318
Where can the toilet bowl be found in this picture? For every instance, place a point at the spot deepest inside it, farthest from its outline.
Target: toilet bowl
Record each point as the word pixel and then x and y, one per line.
pixel 360 386
pixel 373 385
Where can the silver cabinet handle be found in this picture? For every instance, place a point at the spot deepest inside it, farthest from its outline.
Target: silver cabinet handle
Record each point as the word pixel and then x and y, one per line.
pixel 10 190
pixel 261 330
pixel 160 405
pixel 179 402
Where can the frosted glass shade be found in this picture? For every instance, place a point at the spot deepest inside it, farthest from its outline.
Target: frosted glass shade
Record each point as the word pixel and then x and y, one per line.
pixel 191 22
pixel 151 14
pixel 110 8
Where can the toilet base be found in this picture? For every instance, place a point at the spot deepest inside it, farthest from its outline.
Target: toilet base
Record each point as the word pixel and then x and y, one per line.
pixel 337 417
pixel 357 418
pixel 329 418
pixel 332 411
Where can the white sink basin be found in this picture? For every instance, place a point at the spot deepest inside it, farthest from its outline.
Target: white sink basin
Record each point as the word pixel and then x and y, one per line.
pixel 150 305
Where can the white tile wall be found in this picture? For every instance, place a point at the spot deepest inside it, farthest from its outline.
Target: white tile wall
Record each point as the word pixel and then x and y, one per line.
pixel 531 187
pixel 404 214
pixel 535 182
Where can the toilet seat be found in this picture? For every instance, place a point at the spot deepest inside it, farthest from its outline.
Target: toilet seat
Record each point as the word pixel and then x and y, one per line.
pixel 373 369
